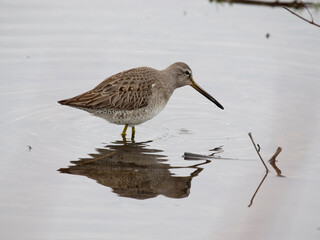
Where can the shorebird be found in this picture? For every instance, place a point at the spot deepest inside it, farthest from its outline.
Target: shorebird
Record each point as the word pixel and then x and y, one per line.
pixel 134 96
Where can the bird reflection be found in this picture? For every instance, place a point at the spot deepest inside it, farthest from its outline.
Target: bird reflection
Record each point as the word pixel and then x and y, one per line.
pixel 133 170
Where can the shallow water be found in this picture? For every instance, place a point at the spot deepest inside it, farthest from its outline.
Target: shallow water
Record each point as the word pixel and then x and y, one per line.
pixel 67 175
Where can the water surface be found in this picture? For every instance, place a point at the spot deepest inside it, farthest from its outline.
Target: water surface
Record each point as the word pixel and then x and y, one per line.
pixel 58 179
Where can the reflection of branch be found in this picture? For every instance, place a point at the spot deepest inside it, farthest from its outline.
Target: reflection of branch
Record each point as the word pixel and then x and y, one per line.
pixel 251 201
pixel 273 160
pixel 311 22
pixel 258 151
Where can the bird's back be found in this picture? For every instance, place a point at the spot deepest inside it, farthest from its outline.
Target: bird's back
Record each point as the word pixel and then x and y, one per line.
pixel 126 90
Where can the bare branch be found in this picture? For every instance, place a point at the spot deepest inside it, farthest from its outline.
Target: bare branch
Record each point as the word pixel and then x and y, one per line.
pixel 308 11
pixel 292 4
pixel 311 22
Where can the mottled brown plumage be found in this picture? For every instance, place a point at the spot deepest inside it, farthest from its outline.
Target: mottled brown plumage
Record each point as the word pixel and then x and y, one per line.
pixel 136 95
pixel 127 90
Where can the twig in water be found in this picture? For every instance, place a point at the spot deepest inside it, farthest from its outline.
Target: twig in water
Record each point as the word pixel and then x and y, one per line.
pixel 258 151
pixel 273 160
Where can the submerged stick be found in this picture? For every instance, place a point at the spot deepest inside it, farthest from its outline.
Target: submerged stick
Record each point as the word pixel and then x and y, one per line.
pixel 258 151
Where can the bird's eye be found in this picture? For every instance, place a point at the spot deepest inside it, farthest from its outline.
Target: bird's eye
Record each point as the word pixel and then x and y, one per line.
pixel 187 73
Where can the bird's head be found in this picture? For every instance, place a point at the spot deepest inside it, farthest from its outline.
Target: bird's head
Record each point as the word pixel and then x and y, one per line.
pixel 183 76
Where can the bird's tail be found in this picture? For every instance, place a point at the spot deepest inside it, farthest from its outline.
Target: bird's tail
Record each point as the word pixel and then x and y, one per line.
pixel 63 102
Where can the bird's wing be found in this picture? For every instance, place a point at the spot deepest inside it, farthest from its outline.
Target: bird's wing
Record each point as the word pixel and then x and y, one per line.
pixel 126 90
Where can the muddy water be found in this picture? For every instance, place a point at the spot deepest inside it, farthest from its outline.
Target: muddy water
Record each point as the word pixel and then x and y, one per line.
pixel 67 175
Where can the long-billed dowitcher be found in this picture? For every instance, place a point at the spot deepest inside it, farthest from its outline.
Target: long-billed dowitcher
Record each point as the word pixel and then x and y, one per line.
pixel 134 96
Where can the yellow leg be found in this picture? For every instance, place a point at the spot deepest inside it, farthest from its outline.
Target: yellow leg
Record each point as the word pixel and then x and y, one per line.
pixel 133 132
pixel 123 134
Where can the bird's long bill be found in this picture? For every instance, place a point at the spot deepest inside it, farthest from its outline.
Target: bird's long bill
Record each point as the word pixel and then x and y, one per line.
pixel 204 93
